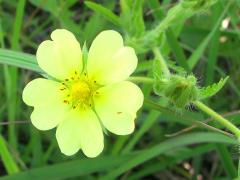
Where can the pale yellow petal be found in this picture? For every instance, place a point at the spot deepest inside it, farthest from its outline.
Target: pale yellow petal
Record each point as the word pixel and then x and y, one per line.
pixel 45 96
pixel 103 47
pixel 41 91
pixel 61 56
pixel 48 116
pixel 117 105
pixel 68 134
pixel 80 130
pixel 118 68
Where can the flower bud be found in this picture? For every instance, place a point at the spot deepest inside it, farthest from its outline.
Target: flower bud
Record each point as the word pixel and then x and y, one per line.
pixel 181 90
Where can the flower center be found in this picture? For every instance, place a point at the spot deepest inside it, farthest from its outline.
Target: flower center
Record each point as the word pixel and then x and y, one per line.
pixel 78 91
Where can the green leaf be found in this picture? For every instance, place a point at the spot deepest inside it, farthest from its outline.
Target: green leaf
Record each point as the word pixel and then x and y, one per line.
pixel 109 15
pixel 211 90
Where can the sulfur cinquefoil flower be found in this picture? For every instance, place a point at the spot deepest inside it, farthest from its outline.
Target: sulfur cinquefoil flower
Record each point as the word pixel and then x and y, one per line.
pixel 84 98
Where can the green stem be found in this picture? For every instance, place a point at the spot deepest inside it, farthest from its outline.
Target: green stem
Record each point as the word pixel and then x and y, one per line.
pixel 231 127
pixel 163 63
pixel 172 16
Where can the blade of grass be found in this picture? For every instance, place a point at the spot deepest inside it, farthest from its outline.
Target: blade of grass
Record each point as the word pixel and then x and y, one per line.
pixel 18 24
pixel 71 169
pixel 195 57
pixel 227 161
pixel 170 144
pixel 118 145
pixel 11 77
pixel 177 50
pixel 213 47
pixel 163 164
pixel 225 156
pixel 18 59
pixel 88 166
pixel 104 11
pixel 8 162
pixel 156 9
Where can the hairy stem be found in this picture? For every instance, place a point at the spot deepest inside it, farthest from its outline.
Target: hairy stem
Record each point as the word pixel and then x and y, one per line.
pixel 231 127
pixel 162 61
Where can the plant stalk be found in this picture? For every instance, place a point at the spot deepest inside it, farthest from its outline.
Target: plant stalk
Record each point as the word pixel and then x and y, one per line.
pixel 231 127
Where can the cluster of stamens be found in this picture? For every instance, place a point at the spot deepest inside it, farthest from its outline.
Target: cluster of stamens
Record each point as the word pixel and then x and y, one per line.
pixel 78 90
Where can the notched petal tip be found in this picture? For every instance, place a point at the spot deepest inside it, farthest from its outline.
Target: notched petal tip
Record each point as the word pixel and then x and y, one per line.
pixel 68 145
pixel 117 106
pixel 125 131
pixel 109 61
pixel 93 152
pixel 40 91
pixel 68 153
pixel 60 56
pixel 80 130
pixel 111 33
pixel 58 33
pixel 28 91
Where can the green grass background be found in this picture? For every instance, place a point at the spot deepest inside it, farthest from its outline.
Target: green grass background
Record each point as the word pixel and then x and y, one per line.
pixel 158 149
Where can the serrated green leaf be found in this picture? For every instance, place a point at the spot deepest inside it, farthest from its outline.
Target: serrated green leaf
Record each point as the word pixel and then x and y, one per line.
pixel 109 15
pixel 211 90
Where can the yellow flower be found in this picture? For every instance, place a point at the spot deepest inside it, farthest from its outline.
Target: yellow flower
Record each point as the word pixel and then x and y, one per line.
pixel 84 98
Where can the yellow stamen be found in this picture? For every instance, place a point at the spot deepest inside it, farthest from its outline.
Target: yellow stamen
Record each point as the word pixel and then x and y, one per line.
pixel 80 91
